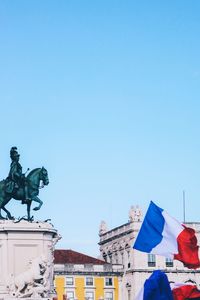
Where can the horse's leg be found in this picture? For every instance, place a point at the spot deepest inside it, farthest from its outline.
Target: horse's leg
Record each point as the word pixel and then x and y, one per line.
pixel 1 217
pixel 10 217
pixel 36 199
pixel 28 210
pixel 20 287
pixel 2 206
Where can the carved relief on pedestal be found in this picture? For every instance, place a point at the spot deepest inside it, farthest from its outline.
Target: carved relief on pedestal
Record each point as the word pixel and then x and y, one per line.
pixel 35 282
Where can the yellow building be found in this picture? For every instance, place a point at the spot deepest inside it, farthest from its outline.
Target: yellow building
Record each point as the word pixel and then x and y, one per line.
pixel 81 277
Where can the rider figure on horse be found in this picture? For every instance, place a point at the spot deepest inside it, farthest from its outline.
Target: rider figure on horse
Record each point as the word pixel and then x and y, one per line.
pixel 16 179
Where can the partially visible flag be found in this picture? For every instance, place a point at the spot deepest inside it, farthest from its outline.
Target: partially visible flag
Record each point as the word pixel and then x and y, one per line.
pixel 156 287
pixel 185 291
pixel 163 235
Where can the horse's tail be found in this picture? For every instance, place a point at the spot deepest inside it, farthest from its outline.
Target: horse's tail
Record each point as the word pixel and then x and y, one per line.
pixel 2 188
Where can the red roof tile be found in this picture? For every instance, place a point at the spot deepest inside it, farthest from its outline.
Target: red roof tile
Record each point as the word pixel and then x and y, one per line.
pixel 72 257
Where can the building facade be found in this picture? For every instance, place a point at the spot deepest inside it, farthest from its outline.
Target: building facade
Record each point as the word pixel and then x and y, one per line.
pixel 116 248
pixel 81 277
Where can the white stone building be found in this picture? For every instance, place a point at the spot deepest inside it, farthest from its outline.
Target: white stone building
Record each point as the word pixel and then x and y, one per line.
pixel 116 248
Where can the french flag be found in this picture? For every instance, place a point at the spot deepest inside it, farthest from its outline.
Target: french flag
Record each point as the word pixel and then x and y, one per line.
pixel 157 287
pixel 182 291
pixel 163 235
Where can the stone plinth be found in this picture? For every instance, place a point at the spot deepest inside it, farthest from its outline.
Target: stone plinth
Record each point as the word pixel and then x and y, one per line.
pixel 26 259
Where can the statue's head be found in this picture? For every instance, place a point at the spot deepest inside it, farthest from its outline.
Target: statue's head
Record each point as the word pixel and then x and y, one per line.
pixel 14 154
pixel 44 176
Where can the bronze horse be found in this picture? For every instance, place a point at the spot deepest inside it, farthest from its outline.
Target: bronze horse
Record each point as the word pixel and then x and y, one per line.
pixel 33 184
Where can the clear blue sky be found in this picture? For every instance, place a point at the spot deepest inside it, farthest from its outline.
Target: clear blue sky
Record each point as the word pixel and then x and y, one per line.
pixel 106 95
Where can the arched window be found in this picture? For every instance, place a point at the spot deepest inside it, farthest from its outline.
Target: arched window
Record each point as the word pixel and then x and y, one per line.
pixel 110 256
pixel 105 256
pixel 190 281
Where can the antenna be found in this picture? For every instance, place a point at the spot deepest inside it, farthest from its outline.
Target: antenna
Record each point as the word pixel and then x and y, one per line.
pixel 183 206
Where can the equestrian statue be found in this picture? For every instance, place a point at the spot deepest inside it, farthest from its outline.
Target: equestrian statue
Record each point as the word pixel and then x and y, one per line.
pixel 21 187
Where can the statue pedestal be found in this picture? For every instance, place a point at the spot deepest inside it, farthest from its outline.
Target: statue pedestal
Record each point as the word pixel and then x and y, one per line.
pixel 26 259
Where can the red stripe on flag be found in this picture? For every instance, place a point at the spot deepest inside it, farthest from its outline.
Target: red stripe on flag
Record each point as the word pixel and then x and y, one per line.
pixel 186 292
pixel 188 249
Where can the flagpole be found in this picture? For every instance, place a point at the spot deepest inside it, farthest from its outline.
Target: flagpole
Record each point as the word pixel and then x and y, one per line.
pixel 183 206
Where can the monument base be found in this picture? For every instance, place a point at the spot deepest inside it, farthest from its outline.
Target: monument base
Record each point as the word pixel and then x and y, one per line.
pixel 26 259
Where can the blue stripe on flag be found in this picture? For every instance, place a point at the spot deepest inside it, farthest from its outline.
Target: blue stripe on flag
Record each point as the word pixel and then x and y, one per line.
pixel 150 234
pixel 157 287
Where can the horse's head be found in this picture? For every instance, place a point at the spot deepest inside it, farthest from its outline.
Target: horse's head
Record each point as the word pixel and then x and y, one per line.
pixel 44 176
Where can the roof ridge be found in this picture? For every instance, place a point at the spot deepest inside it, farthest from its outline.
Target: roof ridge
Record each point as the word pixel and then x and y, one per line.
pixel 64 256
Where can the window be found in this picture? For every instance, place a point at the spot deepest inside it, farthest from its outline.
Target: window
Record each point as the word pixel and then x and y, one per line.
pixel 70 295
pixel 169 262
pixel 105 256
pixel 109 281
pixel 122 258
pixel 108 296
pixel 89 281
pixel 89 296
pixel 151 260
pixel 69 281
pixel 110 256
